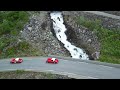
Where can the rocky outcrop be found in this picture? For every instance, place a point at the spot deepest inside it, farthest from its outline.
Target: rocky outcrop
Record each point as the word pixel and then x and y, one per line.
pixel 81 36
pixel 38 33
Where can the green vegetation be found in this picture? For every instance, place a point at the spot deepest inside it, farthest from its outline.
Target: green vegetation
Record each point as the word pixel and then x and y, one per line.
pixel 109 39
pixel 19 71
pixel 21 49
pixel 11 23
pixel 21 74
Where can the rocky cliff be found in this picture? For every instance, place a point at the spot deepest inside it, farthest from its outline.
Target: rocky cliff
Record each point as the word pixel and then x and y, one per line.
pixel 81 36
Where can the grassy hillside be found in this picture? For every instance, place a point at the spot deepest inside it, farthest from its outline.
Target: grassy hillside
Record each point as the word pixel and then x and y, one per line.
pixel 109 39
pixel 11 23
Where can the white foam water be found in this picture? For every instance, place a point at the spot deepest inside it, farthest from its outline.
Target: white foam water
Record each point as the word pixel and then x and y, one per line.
pixel 60 29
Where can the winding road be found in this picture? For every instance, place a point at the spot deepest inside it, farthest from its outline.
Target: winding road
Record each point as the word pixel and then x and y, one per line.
pixel 80 69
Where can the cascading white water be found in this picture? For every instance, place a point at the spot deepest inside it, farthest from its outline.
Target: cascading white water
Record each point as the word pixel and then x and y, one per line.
pixel 60 29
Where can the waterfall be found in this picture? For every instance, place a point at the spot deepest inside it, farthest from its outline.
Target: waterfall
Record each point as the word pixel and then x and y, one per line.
pixel 59 29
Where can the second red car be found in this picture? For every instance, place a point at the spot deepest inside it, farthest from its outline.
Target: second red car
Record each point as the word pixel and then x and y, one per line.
pixel 52 60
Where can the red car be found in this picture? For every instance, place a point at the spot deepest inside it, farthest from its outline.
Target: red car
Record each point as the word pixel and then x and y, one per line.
pixel 52 60
pixel 16 60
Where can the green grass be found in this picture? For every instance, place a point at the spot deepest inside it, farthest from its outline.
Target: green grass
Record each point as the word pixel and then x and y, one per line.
pixel 11 23
pixel 109 39
pixel 21 49
pixel 19 71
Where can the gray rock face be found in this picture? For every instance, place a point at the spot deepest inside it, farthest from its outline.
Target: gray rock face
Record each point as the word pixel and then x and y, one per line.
pixel 81 36
pixel 38 33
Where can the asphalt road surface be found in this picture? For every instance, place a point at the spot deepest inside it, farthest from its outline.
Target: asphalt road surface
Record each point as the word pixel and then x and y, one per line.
pixel 72 68
pixel 104 14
